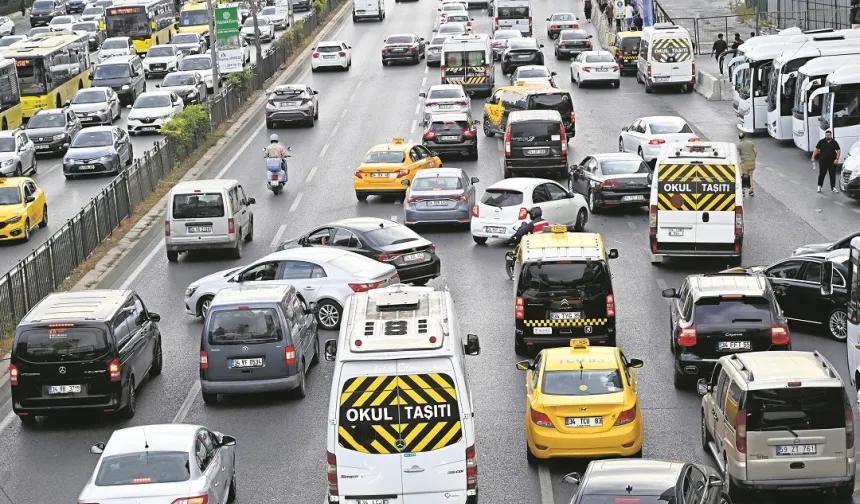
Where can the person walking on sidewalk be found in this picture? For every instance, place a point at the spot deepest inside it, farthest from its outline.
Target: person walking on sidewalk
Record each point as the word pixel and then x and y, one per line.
pixel 23 8
pixel 628 15
pixel 827 154
pixel 737 42
pixel 748 154
pixel 720 46
pixel 588 10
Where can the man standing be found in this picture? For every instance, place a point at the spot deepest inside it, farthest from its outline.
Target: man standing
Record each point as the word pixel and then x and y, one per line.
pixel 737 42
pixel 719 47
pixel 588 10
pixel 638 22
pixel 827 154
pixel 748 154
pixel 628 15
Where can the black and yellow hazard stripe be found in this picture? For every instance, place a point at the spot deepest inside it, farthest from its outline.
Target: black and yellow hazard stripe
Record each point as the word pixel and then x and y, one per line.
pixel 698 177
pixel 696 173
pixel 565 323
pixel 467 80
pixel 663 50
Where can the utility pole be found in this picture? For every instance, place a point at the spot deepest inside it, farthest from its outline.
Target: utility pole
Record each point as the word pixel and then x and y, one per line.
pixel 213 51
pixel 257 47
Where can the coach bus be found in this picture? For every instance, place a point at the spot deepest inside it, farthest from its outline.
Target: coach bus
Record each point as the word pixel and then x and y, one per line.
pixel 147 22
pixel 10 96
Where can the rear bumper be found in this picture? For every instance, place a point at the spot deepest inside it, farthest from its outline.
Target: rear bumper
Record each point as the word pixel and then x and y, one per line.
pixel 536 164
pixel 673 83
pixel 405 56
pixel 800 484
pixel 452 148
pixel 249 386
pixel 572 51
pixel 428 270
pixel 292 115
pixel 461 215
pixel 681 249
pixel 602 334
pixel 621 441
pixel 693 365
pixel 183 246
pixel 41 406
pixel 610 198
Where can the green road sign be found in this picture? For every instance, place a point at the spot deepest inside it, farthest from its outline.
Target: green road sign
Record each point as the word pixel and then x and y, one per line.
pixel 226 23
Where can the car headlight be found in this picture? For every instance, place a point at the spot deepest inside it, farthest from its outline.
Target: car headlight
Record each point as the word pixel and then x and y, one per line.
pixel 124 87
pixel 855 173
pixel 14 220
pixel 107 157
pixel 190 291
pixel 8 162
pixel 59 137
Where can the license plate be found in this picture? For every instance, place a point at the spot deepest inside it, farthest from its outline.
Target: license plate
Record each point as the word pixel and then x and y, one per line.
pixel 437 203
pixel 64 389
pixel 524 56
pixel 413 257
pixel 571 315
pixel 287 104
pixel 734 345
pixel 398 50
pixel 537 152
pixel 41 147
pixel 675 232
pixel 86 167
pixel 499 230
pixel 382 175
pixel 246 363
pixel 199 229
pixel 542 330
pixel 449 138
pixel 149 128
pixel 602 69
pixel 329 56
pixel 87 118
pixel 447 106
pixel 372 501
pixel 659 79
pixel 803 449
pixel 633 198
pixel 584 422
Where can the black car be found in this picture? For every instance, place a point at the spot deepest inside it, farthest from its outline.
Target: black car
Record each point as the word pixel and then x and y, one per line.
pixel 301 5
pixel 403 47
pixel 454 133
pixel 43 11
pixel 84 350
pixel 647 482
pixel 535 143
pixel 720 314
pixel 520 52
pixel 96 36
pixel 842 243
pixel 187 85
pixel 75 6
pixel 384 240
pixel 572 42
pixel 616 179
pixel 52 130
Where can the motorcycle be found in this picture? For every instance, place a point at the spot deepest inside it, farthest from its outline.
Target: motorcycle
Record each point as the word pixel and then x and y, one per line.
pixel 277 173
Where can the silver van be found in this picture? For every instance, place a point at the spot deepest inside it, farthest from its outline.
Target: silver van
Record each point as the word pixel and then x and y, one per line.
pixel 207 215
pixel 257 338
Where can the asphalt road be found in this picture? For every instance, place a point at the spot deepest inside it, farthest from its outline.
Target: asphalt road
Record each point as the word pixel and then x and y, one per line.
pixel 281 444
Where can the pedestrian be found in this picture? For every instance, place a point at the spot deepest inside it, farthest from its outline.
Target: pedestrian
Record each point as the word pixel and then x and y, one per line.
pixel 23 8
pixel 827 154
pixel 737 42
pixel 638 21
pixel 588 10
pixel 628 15
pixel 609 14
pixel 748 154
pixel 719 47
pixel 752 34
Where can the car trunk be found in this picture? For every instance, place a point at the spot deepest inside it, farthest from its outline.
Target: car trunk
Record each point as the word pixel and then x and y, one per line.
pixel 500 208
pixel 534 142
pixel 399 49
pixel 408 253
pixel 630 184
pixel 450 132
pixel 198 217
pixel 575 43
pixel 565 294
pixel 442 200
pixel 731 324
pixel 524 56
pixel 123 494
pixel 586 414
pixel 288 101
pixel 380 173
pixel 559 101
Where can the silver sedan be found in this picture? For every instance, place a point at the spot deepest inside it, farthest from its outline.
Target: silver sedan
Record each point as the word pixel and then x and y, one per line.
pixel 443 195
pixel 168 462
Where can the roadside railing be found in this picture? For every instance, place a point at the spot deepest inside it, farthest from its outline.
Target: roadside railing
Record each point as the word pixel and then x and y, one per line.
pixel 51 263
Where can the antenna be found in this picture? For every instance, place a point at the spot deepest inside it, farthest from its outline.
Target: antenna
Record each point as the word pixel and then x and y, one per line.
pixel 145 442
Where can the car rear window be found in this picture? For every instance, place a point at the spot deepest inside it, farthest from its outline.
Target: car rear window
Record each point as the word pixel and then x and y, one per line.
pixel 402 39
pixel 525 44
pixel 143 468
pixel 243 326
pixel 198 206
pixel 391 235
pixel 573 35
pixel 630 44
pixel 723 310
pixel 623 167
pixel 576 279
pixel 513 13
pixel 437 184
pixel 502 198
pixel 385 157
pixel 438 94
pixel 525 73
pixel 666 128
pixel 801 408
pixel 559 101
pixel 438 40
pixel 329 49
pixel 582 383
pixel 535 133
pixel 61 344
pixel 600 58
pixel 450 127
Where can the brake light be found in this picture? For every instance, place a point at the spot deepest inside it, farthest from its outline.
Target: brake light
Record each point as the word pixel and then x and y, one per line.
pixel 779 335
pixel 413 46
pixel 587 43
pixel 523 213
pixel 316 55
pixel 341 54
pixel 649 69
pixel 694 69
pixel 656 141
pixel 430 135
pixel 476 211
pixel 652 219
pixel 469 133
pixel 364 287
pixel 386 257
pixel 357 174
pixel 271 102
pixel 610 305
pixel 616 68
pixel 468 23
pixel 540 419
pixel 200 499
pixel 620 54
pixel 275 177
pixel 496 43
pixel 519 310
pixel 414 199
pixel 741 431
pixel 739 221
pixel 461 197
pixel 114 370
pixel 13 374
pixel 508 141
pixel 561 44
pixel 402 172
pixel 695 139
pixel 471 469
pixel 586 69
pixel 573 116
pixel 687 337
pixel 204 360
pixel 626 417
pixel 608 183
pixel 849 427
pixel 384 48
pixel 290 355
pixel 166 228
pixel 331 472
pixel 231 226
pixel 563 141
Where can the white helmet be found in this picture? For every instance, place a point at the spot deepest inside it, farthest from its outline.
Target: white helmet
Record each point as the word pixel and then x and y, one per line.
pixel 274 138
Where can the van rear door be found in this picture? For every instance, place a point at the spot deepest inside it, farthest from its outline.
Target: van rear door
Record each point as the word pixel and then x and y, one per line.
pixel 715 212
pixel 514 17
pixel 198 217
pixel 672 59
pixel 676 208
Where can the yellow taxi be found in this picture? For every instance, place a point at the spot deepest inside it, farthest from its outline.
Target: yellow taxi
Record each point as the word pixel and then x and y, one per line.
pixel 582 402
pixel 390 167
pixel 22 207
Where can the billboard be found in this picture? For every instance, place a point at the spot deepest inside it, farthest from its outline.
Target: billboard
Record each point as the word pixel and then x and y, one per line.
pixel 228 41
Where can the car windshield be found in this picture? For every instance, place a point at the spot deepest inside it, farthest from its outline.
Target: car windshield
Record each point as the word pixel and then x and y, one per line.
pixel 178 80
pixel 60 344
pixel 7 144
pixel 394 234
pixel 89 96
pixel 196 64
pixel 386 157
pixel 623 167
pixel 184 38
pixel 152 101
pixel 665 128
pixel 599 58
pixel 437 94
pixel 722 310
pixel 89 11
pixel 399 39
pixel 243 326
pixel 522 44
pixel 439 40
pixel 198 206
pixel 507 34
pixel 43 5
pixel 49 120
pixel 87 27
pixel 563 17
pixel 573 35
pixel 575 279
pixel 118 71
pixel 801 408
pixel 524 73
pixel 143 468
pixel 437 184
pixel 115 44
pixel 93 139
pixel 582 383
pixel 10 196
pixel 160 51
pixel 502 198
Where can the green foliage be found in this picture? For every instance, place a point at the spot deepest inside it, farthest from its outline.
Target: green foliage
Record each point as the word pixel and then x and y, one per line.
pixel 321 6
pixel 186 128
pixel 240 80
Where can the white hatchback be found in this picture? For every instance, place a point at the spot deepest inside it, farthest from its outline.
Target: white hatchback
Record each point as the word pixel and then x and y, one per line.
pixel 504 207
pixel 151 110
pixel 595 67
pixel 331 53
pixel 62 23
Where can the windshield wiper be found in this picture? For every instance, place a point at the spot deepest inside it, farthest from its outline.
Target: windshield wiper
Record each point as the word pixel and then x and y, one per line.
pixel 779 427
pixel 746 320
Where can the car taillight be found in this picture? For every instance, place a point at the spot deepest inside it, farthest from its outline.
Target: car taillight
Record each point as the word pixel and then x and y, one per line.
pixel 364 287
pixel 166 228
pixel 561 44
pixel 231 226
pixel 687 337
pixel 413 46
pixel 496 44
pixel 572 116
pixel 430 135
pixel 290 355
pixel 386 257
pixel 620 54
pixel 626 417
pixel 271 102
pixel 587 43
pixel 519 310
pixel 656 141
pixel 541 419
pixel 649 69
pixel 341 54
pixel 275 177
pixel 414 199
pixel 476 211
pixel 694 69
pixel 468 23
pixel 530 21
pixel 331 472
pixel 563 141
pixel 741 431
pixel 652 219
pixel 469 133
pixel 204 360
pixel 616 68
pixel 316 55
pixel 356 174
pixel 694 139
pixel 610 305
pixel 13 374
pixel 849 427
pixel 608 183
pixel 586 69
pixel 471 470
pixel 402 172
pixel 523 213
pixel 508 141
pixel 739 221
pixel 114 370
pixel 200 499
pixel 779 335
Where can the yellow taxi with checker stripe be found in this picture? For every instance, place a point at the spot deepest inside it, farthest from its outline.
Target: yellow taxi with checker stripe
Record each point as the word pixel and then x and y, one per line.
pixel 390 167
pixel 23 206
pixel 582 401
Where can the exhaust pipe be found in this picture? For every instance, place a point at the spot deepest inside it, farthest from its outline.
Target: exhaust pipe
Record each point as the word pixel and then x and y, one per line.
pixel 691 370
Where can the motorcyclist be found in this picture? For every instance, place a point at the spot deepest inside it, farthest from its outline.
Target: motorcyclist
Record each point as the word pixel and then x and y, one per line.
pixel 276 150
pixel 536 224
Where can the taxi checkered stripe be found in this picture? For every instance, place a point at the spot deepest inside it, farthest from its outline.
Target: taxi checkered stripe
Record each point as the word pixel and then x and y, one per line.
pixel 565 323
pixel 672 43
pixel 394 392
pixel 696 201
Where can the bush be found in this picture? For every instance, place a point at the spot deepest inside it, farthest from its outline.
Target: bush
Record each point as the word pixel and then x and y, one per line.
pixel 186 129
pixel 240 80
pixel 321 6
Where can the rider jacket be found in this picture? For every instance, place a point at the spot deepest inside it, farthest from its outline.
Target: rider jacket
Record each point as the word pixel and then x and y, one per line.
pixel 276 150
pixel 529 227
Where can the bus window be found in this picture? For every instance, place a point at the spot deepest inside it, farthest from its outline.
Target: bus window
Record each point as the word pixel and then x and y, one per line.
pixel 129 24
pixel 9 94
pixel 846 108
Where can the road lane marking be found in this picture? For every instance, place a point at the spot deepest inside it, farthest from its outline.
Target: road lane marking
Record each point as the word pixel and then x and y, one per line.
pixel 545 480
pixel 311 174
pixel 296 202
pixel 855 210
pixel 795 182
pixel 236 156
pixel 140 267
pixel 414 125
pixel 358 85
pixel 781 174
pixel 839 203
pixel 631 225
pixel 352 98
pixel 500 146
pixel 423 82
pixel 187 403
pixel 426 69
pixel 278 235
pixel 417 107
pixel 324 150
pixel 336 127
pixel 343 114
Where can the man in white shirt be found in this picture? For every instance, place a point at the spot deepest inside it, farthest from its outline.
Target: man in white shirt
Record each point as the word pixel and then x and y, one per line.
pixel 628 15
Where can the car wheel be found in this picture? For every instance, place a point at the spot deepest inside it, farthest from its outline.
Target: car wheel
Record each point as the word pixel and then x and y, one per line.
pixel 236 252
pixel 617 84
pixel 480 240
pixel 203 306
pixel 706 436
pixel 581 220
pixel 44 221
pixel 26 237
pixel 487 132
pixel 250 236
pixel 131 404
pixel 157 361
pixel 837 324
pixel 593 206
pixel 571 76
pixel 130 159
pixel 18 171
pixel 270 124
pixel 679 380
pixel 329 314
pixel 316 358
pixel 301 390
pixel 172 256
pixel 28 420
pixel 313 69
pixel 311 122
pixel 648 89
pixel 210 399
pixel 579 83
pixel 231 495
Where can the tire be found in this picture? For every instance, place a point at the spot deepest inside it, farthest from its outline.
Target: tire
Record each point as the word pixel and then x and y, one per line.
pixel 648 89
pixel 579 84
pixel 679 380
pixel 617 84
pixel 231 495
pixel 317 112
pixel 705 435
pixel 203 305
pixel 172 256
pixel 845 491
pixel 18 171
pixel 130 159
pixel 731 487
pixel 35 166
pixel 581 221
pixel 329 314
pixel 506 173
pixel 236 252
pixel 28 420
pixel 157 361
pixel 361 197
pixel 210 399
pixel 301 391
pixel 276 190
pixel 271 124
pixel 316 358
pixel 480 240
pixel 250 236
pixel 520 347
pixel 474 155
pixel 26 237
pixel 421 282
pixel 620 144
pixel 487 132
pixel 312 123
pixel 44 221
pixel 641 154
pixel 593 207
pixel 837 324
pixel 131 405
pixel 571 76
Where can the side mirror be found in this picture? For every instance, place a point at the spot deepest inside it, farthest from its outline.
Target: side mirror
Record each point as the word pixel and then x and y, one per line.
pixel 330 350
pixel 97 449
pixel 525 365
pixel 541 46
pixel 158 85
pixel 636 363
pixel 422 94
pixel 251 201
pixel 547 19
pixel 613 253
pixel 316 92
pixel 312 308
pixel 715 482
pixel 473 346
pixel 702 386
pixel 154 317
pixel 572 479
pixel 228 441
pixel 30 199
pixel 67 103
pixel 475 180
pixel 669 293
pixel 553 73
pixel 625 128
pixel 405 182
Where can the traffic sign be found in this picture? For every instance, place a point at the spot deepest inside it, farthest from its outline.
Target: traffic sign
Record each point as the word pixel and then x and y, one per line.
pixel 619 9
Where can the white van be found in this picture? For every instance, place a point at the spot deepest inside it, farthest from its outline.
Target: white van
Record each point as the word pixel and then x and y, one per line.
pixel 513 15
pixel 368 9
pixel 696 205
pixel 207 215
pixel 468 60
pixel 666 58
pixel 401 421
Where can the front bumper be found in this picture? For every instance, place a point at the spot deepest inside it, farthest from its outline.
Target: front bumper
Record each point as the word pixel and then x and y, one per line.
pixel 12 231
pixel 670 83
pixel 52 147
pixel 36 406
pixel 426 270
pixel 139 126
pixel 850 187
pixel 600 76
pixel 695 249
pixel 620 441
pixel 94 118
pixel 249 386
pixel 97 166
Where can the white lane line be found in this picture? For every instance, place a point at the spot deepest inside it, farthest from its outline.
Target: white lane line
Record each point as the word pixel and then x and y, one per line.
pixel 417 107
pixel 781 174
pixel 343 114
pixel 236 156
pixel 839 203
pixel 631 225
pixel 414 125
pixel 296 202
pixel 6 421
pixel 336 127
pixel 423 82
pixel 426 69
pixel 352 98
pixel 500 146
pixel 394 218
pixel 311 174
pixel 187 403
pixel 324 150
pixel 545 480
pixel 278 236
pixel 140 267
pixel 855 210
pixel 663 286
pixel 795 182
pixel 359 85
pixel 768 168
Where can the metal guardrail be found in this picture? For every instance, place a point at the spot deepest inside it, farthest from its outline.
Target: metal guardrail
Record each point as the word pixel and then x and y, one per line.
pixel 51 263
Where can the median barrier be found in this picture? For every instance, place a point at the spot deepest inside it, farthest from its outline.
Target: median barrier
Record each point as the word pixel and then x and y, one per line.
pixel 713 88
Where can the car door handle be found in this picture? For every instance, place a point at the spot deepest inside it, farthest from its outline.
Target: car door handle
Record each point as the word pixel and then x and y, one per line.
pixel 308 287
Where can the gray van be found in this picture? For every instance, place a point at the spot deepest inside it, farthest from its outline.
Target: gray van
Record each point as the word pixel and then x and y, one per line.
pixel 123 74
pixel 257 338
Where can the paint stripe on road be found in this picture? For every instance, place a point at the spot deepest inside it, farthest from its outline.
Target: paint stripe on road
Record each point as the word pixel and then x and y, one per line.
pixel 545 481
pixel 343 114
pixel 296 202
pixel 311 174
pixel 334 130
pixel 278 235
pixel 324 150
pixel 187 403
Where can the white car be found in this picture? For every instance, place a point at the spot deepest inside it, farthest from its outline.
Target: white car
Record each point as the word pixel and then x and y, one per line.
pixel 96 105
pixel 161 60
pixel 7 27
pixel 533 74
pixel 17 154
pixel 450 8
pixel 11 39
pixel 279 16
pixel 151 110
pixel 323 275
pixel 62 23
pixel 93 13
pixel 265 27
pixel 331 53
pixel 458 17
pixel 445 98
pixel 595 67
pixel 451 29
pixel 504 207
pixel 202 63
pixel 646 135
pixel 116 46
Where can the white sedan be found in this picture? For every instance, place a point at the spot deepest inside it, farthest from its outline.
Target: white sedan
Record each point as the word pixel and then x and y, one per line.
pixel 62 23
pixel 331 53
pixel 151 110
pixel 595 67
pixel 647 135
pixel 7 27
pixel 264 26
pixel 533 74
pixel 326 276
pixel 458 17
pixel 504 207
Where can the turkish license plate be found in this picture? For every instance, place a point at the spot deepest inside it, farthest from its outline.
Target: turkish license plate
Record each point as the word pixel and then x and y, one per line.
pixel 246 363
pixel 287 104
pixel 149 128
pixel 382 175
pixel 633 198
pixel 329 56
pixel 584 422
pixel 602 69
pixel 64 389
pixel 675 231
pixel 449 138
pixel 733 345
pixel 499 230
pixel 437 203
pixel 42 147
pixel 413 257
pixel 537 152
pixel 372 501
pixel 199 229
pixel 660 79
pixel 524 56
pixel 88 118
pixel 571 315
pixel 542 330
pixel 445 106
pixel 398 50
pixel 86 167
pixel 802 449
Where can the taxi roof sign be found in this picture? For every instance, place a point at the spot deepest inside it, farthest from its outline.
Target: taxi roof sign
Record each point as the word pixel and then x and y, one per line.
pixel 579 343
pixel 558 229
pixel 398 140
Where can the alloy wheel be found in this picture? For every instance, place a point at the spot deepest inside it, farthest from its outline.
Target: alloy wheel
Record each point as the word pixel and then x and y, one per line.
pixel 328 315
pixel 838 325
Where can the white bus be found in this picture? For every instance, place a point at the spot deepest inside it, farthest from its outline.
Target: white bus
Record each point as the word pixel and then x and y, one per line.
pixel 783 76
pixel 840 109
pixel 844 270
pixel 810 77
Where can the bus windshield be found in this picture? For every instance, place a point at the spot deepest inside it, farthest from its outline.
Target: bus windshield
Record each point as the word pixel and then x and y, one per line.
pixel 31 76
pixel 120 22
pixel 194 18
pixel 9 92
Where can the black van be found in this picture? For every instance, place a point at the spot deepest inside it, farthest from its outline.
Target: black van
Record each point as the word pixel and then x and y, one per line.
pixel 257 338
pixel 536 143
pixel 84 350
pixel 123 74
pixel 43 11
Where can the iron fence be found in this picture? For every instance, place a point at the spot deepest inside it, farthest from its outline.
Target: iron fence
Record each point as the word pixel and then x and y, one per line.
pixel 51 263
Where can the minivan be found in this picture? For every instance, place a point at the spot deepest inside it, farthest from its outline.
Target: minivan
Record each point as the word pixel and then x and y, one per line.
pixel 83 350
pixel 207 215
pixel 257 338
pixel 536 142
pixel 123 74
pixel 43 11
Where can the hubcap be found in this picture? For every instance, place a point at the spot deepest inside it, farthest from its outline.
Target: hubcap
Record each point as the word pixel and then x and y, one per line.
pixel 328 315
pixel 839 325
pixel 204 307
